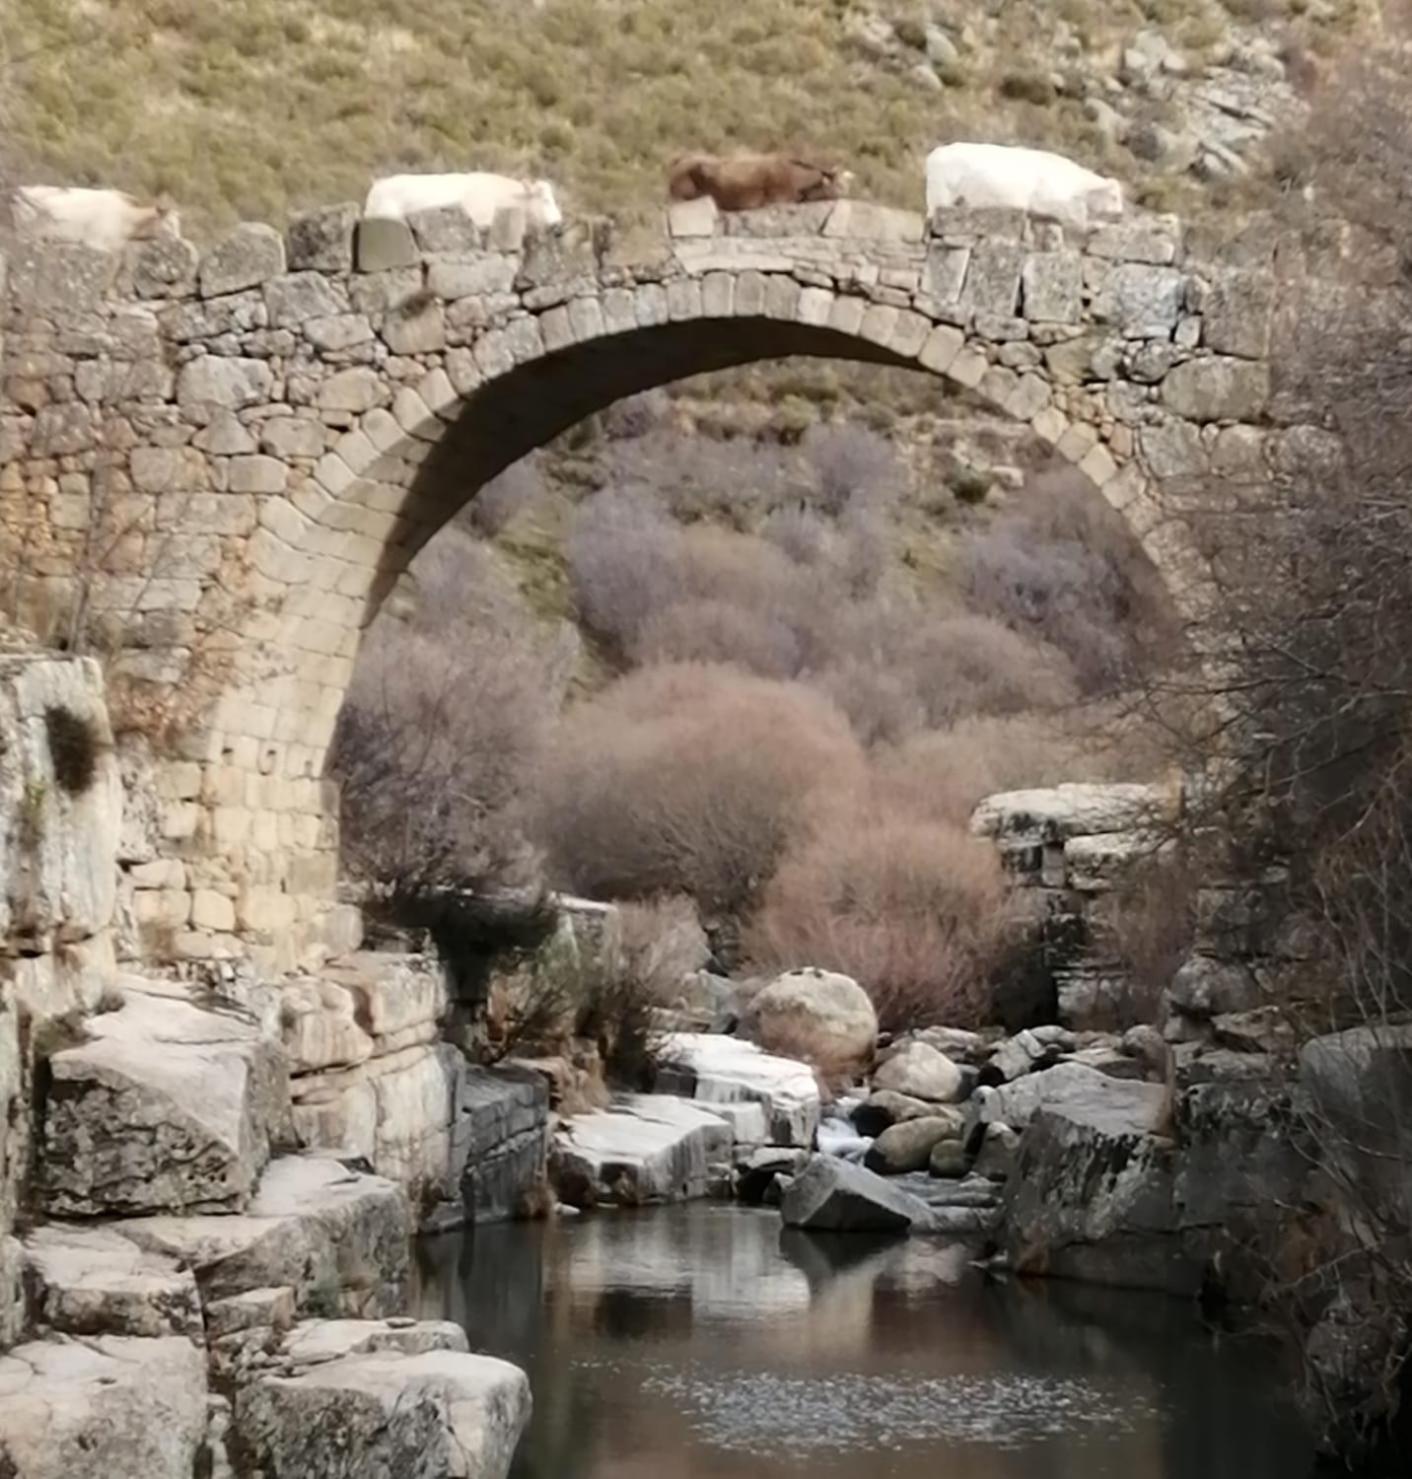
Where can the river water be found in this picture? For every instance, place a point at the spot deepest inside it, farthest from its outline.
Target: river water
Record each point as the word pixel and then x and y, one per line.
pixel 703 1342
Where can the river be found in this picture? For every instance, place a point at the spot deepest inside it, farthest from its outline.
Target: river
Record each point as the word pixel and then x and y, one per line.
pixel 702 1342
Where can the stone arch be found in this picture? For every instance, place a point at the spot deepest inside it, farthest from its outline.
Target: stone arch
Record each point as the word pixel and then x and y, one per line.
pixel 348 404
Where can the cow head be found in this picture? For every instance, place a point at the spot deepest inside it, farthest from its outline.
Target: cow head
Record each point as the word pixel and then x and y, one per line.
pixel 539 197
pixel 1107 200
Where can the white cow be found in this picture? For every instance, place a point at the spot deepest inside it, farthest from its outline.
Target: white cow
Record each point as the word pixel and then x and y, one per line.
pixel 105 219
pixel 997 175
pixel 478 194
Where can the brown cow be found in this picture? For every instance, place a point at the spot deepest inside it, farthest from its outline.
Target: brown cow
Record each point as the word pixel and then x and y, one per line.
pixel 744 182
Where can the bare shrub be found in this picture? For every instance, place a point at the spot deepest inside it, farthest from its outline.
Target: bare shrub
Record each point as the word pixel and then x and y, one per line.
pixel 662 943
pixel 1149 928
pixel 1306 655
pixel 801 533
pixel 687 778
pixel 881 705
pixel 516 491
pixel 908 908
pixel 719 631
pixel 971 665
pixel 623 560
pixel 443 723
pixel 850 466
pixel 736 481
pixel 1062 567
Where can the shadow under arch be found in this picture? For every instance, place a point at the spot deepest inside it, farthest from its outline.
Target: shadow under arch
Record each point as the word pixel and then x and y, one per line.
pixel 516 413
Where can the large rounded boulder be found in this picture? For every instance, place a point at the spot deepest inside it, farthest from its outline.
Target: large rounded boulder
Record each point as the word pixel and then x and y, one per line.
pixel 921 1072
pixel 908 1146
pixel 820 1016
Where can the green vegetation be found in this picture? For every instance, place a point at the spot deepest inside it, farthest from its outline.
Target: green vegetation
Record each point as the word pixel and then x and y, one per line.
pixel 255 108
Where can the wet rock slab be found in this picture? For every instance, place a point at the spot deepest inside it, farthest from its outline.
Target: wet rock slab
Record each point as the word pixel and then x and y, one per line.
pixel 644 1148
pixel 728 1071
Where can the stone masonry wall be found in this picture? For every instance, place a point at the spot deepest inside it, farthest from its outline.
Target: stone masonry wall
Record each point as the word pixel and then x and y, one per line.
pixel 214 464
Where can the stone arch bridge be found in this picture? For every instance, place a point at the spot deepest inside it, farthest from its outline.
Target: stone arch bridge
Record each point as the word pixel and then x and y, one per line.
pixel 213 465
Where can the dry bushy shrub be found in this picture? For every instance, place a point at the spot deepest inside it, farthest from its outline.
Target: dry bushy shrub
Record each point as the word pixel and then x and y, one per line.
pixel 662 943
pixel 909 908
pixel 1062 567
pixel 442 725
pixel 719 631
pixel 971 665
pixel 517 490
pixel 688 778
pixel 850 466
pixel 1149 928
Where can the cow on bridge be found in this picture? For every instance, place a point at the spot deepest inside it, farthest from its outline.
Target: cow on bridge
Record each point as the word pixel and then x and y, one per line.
pixel 745 182
pixel 1033 180
pixel 479 195
pixel 104 219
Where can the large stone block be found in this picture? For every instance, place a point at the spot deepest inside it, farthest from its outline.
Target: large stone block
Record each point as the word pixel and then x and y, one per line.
pixel 1053 287
pixel 164 1107
pixel 219 382
pixel 60 802
pixel 993 279
pixel 322 240
pixel 500 1138
pixel 380 1401
pixel 831 1195
pixel 646 1148
pixel 391 992
pixel 1072 810
pixel 339 1238
pixel 107 1405
pixel 1220 388
pixel 250 255
pixel 1141 302
pixel 87 1280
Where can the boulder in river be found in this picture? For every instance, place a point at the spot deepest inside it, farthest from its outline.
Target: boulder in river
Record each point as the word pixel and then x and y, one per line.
pixel 885 1107
pixel 922 1073
pixel 1074 1092
pixel 948 1159
pixel 908 1146
pixel 834 1196
pixel 820 1016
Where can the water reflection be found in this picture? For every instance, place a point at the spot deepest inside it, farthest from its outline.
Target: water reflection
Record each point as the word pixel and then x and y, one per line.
pixel 701 1342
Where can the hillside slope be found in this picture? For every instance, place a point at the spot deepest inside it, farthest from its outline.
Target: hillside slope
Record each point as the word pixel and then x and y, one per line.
pixel 254 108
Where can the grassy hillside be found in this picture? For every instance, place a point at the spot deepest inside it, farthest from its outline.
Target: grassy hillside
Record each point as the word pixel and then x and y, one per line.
pixel 244 108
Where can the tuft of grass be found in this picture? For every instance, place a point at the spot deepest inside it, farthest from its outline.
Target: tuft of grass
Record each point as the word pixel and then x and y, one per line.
pixel 73 748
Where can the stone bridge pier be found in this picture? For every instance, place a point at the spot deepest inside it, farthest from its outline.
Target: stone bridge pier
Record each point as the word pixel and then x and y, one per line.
pixel 215 464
